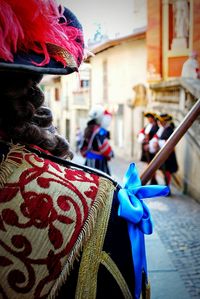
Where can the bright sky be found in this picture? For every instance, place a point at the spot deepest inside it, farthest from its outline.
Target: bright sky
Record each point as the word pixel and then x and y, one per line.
pixel 113 15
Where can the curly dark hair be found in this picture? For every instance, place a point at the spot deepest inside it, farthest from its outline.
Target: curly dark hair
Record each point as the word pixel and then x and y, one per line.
pixel 24 119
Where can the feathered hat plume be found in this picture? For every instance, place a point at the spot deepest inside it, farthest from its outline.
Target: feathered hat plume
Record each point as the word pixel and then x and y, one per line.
pixel 38 35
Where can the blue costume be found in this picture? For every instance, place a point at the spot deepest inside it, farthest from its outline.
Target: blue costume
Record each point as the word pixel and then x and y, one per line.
pixel 96 148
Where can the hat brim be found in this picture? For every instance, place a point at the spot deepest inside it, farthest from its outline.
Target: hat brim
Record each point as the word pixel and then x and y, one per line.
pixel 162 118
pixel 148 114
pixel 24 62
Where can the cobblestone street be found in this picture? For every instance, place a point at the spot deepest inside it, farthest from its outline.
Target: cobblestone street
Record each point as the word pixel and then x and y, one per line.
pixel 177 223
pixel 173 250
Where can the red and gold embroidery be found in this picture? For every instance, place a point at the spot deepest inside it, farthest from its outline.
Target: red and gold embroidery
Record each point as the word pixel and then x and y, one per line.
pixel 47 213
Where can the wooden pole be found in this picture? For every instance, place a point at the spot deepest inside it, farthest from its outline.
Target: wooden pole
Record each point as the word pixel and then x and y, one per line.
pixel 166 150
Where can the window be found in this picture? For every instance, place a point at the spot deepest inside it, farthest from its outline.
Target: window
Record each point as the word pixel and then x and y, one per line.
pixel 84 83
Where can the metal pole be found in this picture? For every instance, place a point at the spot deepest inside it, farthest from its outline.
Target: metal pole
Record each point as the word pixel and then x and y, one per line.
pixel 166 150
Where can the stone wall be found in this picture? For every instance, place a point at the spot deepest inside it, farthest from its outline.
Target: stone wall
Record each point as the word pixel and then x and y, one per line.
pixel 177 97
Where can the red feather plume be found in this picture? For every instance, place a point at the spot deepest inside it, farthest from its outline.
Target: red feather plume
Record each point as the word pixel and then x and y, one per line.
pixel 33 25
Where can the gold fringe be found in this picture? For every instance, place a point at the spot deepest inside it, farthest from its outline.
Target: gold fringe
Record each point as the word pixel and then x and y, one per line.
pixel 105 188
pixel 113 269
pixel 91 258
pixel 9 163
pixel 148 291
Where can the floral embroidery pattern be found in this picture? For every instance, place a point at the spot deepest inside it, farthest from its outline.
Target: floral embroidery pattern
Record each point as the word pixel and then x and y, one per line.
pixel 43 208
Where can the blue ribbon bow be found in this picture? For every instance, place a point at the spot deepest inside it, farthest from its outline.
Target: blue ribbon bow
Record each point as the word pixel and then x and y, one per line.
pixel 137 214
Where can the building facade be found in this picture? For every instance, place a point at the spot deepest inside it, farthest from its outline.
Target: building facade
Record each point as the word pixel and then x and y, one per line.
pixel 135 73
pixel 117 67
pixel 143 72
pixel 173 33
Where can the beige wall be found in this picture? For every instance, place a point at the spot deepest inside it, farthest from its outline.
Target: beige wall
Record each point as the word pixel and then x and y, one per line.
pixel 126 67
pixel 68 115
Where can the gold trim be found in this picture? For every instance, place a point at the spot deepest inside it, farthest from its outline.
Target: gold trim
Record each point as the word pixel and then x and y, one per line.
pixel 11 161
pixel 59 51
pixel 113 269
pixel 148 291
pixel 91 258
pixel 103 198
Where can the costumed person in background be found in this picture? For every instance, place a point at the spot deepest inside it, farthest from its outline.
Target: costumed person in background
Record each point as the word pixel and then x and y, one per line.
pixel 105 123
pixel 166 128
pixel 66 231
pixel 171 122
pixel 96 148
pixel 79 139
pixel 144 136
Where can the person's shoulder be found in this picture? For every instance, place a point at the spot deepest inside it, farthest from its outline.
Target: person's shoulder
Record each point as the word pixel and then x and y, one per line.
pixel 38 171
pixel 58 171
pixel 77 171
pixel 169 128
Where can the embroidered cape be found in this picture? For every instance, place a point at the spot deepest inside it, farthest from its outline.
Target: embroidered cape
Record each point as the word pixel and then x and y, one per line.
pixel 47 214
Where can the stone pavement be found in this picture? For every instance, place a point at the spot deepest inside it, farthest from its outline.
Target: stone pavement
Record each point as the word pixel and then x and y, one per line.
pixel 173 250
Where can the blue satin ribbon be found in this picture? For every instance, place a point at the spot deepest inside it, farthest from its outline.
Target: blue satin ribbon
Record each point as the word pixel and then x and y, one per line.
pixel 137 214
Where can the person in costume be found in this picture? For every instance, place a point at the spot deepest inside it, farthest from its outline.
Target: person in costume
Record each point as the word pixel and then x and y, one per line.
pixel 66 230
pixel 144 137
pixel 96 148
pixel 166 128
pixel 79 139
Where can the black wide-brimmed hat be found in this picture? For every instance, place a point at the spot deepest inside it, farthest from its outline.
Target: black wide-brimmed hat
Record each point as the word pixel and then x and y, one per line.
pixel 164 117
pixel 150 114
pixel 39 36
